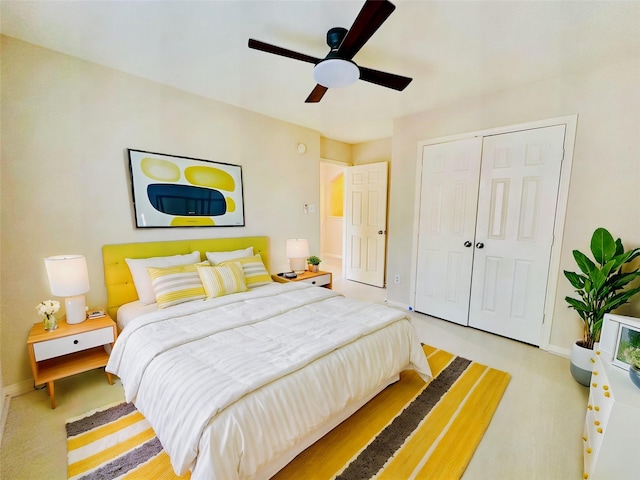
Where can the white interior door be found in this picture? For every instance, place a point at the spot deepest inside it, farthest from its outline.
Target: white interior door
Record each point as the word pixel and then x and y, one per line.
pixel 450 173
pixel 366 223
pixel 517 199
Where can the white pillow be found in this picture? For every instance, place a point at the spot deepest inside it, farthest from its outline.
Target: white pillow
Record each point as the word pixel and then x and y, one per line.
pixel 138 269
pixel 218 257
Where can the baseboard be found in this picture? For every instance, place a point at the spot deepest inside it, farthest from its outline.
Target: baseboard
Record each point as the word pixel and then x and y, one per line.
pixel 6 400
pixel 18 388
pixel 558 350
pixel 399 305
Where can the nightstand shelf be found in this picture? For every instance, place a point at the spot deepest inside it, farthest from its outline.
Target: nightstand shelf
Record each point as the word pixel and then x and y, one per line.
pixel 319 278
pixel 69 350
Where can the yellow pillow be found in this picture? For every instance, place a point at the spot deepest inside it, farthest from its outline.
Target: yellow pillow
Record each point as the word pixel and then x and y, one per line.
pixel 174 285
pixel 222 279
pixel 255 273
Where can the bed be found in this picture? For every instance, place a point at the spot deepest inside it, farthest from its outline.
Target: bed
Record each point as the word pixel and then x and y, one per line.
pixel 237 384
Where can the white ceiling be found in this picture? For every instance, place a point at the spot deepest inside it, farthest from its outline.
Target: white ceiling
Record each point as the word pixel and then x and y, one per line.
pixel 452 49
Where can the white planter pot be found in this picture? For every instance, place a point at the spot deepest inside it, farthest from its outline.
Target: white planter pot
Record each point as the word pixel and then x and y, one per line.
pixel 582 360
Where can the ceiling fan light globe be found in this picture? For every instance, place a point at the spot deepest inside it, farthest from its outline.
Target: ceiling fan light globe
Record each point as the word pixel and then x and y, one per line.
pixel 336 72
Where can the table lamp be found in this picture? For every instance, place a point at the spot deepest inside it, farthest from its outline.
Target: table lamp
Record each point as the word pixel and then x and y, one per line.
pixel 297 253
pixel 68 277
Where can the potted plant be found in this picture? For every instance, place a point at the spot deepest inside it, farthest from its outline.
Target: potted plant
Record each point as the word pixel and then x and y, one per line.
pixel 600 286
pixel 313 262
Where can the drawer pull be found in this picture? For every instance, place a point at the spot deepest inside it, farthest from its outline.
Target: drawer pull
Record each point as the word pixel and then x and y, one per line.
pixel 597 423
pixel 594 384
pixel 595 372
pixel 75 342
pixel 607 394
pixel 596 408
pixel 589 450
pixel 313 283
pixel 606 387
pixel 599 430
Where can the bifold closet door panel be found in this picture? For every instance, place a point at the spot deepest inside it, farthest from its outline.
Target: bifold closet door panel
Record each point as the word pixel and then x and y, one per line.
pixel 448 202
pixel 519 181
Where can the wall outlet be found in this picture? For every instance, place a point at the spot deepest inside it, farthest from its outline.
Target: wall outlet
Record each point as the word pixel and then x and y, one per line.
pixel 396 279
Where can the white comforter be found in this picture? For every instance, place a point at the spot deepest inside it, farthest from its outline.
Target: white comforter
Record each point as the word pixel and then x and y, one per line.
pixel 223 381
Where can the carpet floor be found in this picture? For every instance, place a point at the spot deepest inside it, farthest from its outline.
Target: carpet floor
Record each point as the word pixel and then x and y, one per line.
pixel 407 431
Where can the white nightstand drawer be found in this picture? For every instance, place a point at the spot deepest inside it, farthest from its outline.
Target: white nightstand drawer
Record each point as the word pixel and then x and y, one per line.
pixel 319 281
pixel 72 343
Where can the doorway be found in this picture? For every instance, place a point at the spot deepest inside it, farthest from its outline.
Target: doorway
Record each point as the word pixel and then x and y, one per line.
pixel 332 176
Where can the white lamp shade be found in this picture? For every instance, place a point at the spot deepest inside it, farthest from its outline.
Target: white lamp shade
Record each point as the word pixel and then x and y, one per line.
pixel 297 248
pixel 336 72
pixel 68 275
pixel 297 252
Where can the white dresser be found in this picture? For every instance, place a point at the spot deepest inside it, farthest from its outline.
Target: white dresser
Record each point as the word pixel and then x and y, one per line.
pixel 612 425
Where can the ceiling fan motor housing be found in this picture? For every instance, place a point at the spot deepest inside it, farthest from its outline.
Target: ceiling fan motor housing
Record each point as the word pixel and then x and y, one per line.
pixel 335 36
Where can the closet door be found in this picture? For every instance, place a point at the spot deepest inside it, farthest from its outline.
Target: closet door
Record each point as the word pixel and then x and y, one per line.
pixel 519 181
pixel 447 220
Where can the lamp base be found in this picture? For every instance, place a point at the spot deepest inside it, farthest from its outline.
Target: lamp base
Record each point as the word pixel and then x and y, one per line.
pixel 298 265
pixel 76 309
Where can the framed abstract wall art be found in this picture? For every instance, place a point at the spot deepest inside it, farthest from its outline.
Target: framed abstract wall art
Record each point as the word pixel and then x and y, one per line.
pixel 172 191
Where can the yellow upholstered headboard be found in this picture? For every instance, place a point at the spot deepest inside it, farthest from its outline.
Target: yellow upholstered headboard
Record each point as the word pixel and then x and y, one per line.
pixel 120 286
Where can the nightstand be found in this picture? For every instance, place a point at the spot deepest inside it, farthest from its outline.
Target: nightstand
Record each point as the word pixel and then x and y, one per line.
pixel 319 278
pixel 70 349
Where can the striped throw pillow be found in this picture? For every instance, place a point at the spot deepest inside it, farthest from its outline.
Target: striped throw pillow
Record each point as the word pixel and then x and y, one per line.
pixel 222 279
pixel 174 285
pixel 255 273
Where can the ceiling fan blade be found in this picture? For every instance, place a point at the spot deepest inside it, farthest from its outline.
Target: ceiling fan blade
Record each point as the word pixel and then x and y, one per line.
pixel 316 94
pixel 371 16
pixel 267 47
pixel 389 80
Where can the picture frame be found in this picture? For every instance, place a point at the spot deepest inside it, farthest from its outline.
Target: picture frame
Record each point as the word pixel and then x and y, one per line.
pixel 620 339
pixel 177 191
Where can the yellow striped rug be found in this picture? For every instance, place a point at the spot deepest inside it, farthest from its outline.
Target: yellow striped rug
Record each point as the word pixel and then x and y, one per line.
pixel 408 431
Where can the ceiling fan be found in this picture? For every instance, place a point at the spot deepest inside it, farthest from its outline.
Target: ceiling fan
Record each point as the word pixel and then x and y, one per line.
pixel 337 69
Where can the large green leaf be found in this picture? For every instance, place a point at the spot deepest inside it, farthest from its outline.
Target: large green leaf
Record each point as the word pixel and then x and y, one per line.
pixel 577 281
pixel 603 246
pixel 584 262
pixel 619 299
pixel 621 279
pixel 577 304
pixel 598 278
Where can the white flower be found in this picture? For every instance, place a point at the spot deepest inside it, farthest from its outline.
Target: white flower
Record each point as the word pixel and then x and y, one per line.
pixel 48 307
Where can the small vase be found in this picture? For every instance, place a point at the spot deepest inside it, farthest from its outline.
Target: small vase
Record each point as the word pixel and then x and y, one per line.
pixel 50 323
pixel 634 374
pixel 313 268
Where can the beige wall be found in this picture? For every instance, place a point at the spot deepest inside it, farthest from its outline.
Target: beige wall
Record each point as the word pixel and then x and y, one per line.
pixel 605 179
pixel 66 124
pixel 372 152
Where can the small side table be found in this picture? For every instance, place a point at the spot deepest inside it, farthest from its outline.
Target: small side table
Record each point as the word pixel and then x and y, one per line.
pixel 319 278
pixel 70 349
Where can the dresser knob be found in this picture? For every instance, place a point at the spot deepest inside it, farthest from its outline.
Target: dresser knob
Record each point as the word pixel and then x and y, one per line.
pixel 75 342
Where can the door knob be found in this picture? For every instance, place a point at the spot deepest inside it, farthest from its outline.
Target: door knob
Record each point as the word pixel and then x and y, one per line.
pixel 479 245
pixel 467 244
pixel 381 232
